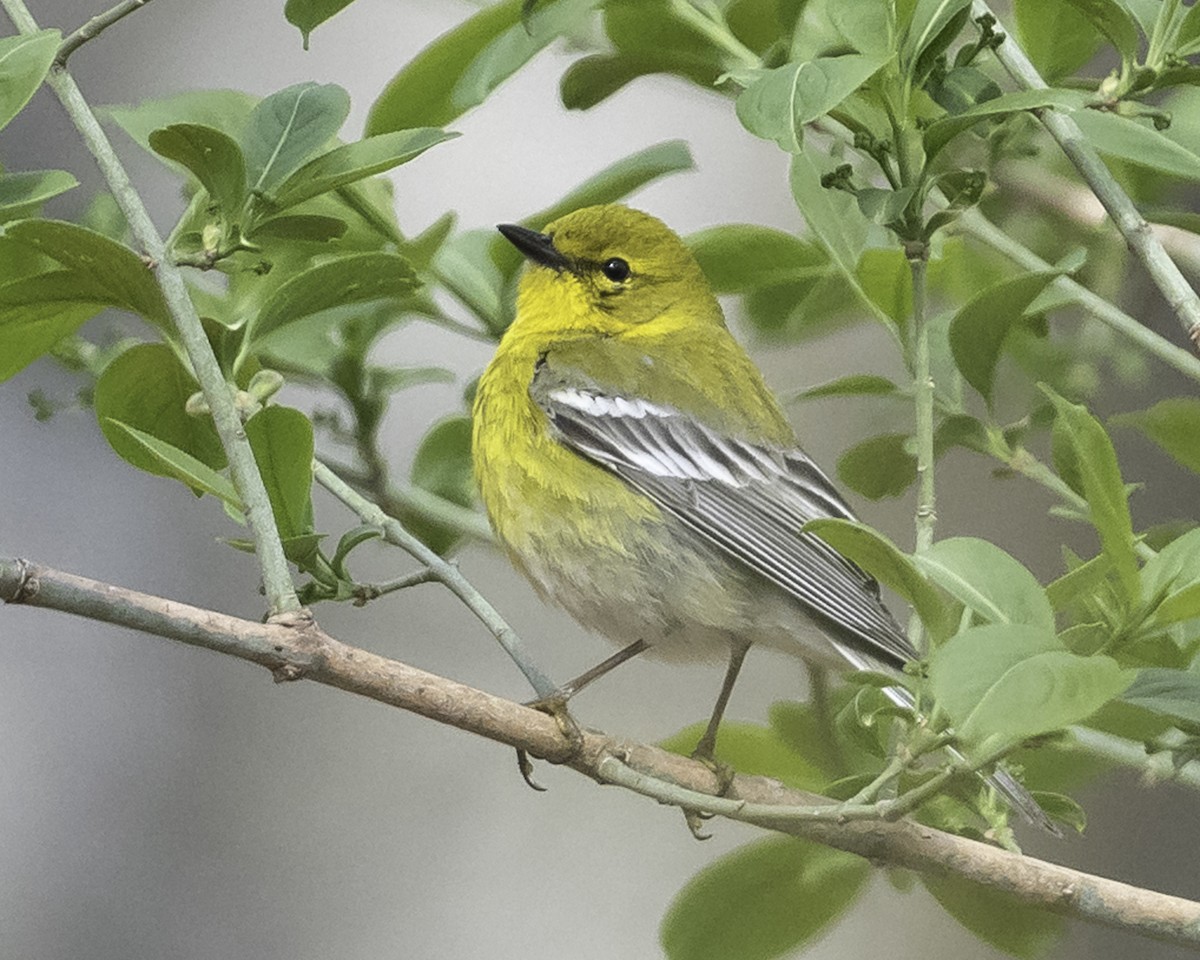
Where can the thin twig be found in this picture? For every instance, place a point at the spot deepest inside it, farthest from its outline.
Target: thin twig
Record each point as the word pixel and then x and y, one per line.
pixel 295 648
pixel 277 581
pixel 373 591
pixel 445 571
pixel 94 27
pixel 1133 226
pixel 977 225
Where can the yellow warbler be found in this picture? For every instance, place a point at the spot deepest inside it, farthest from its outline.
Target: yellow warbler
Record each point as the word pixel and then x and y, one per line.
pixel 640 473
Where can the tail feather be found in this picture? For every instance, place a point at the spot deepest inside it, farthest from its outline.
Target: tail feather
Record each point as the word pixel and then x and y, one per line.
pixel 1004 782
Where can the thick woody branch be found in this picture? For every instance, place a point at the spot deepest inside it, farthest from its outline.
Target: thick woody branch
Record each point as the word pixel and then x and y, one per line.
pixel 296 649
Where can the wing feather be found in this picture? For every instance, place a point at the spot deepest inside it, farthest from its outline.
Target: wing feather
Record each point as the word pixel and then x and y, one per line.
pixel 748 499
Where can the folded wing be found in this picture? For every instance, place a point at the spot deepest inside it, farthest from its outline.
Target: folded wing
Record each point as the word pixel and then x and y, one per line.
pixel 750 500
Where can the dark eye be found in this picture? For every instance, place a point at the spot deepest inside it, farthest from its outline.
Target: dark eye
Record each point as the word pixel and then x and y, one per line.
pixel 616 269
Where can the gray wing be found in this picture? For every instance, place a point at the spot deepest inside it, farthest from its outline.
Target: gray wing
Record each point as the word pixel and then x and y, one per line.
pixel 750 500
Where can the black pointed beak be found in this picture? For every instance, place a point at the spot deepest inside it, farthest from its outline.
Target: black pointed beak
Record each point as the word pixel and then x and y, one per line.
pixel 538 247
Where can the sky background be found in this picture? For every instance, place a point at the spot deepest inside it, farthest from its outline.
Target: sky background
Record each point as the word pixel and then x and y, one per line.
pixel 161 801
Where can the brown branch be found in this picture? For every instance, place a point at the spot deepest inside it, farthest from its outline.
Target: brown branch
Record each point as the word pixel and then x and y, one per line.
pixel 293 647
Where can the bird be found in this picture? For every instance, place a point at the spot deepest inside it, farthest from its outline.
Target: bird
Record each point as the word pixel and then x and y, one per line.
pixel 640 473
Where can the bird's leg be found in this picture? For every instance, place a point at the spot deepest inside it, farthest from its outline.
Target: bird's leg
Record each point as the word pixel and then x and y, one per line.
pixel 706 748
pixel 572 687
pixel 555 704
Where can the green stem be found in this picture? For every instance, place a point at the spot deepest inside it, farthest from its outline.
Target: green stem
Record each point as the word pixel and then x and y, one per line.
pixel 923 394
pixel 1162 30
pixel 373 591
pixel 1137 233
pixel 445 571
pixel 977 225
pixel 93 28
pixel 430 506
pixel 1127 753
pixel 923 399
pixel 277 582
pixel 717 33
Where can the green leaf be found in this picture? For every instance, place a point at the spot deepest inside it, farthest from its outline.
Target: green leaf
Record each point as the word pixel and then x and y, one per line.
pixel 282 441
pixel 442 465
pixel 1094 461
pixel 739 257
pixel 214 158
pixel 807 731
pixel 1112 20
pixel 1061 808
pixel 25 60
pixel 979 329
pixel 854 385
pixel 459 69
pixel 970 663
pixel 37 312
pixel 32 188
pixel 883 206
pixel 961 430
pixel 869 25
pixel 963 88
pixel 357 278
pixel 1057 37
pixel 307 15
pixel 832 217
pixel 350 540
pixel 888 564
pixel 752 750
pixel 1074 584
pixel 287 128
pixel 301 226
pixel 1047 692
pixel 1135 142
pixel 929 19
pixel 617 181
pixel 355 161
pixel 1187 39
pixel 162 459
pixel 778 103
pixel 224 110
pixel 1170 693
pixel 1007 682
pixel 1181 606
pixel 1173 424
pixel 887 281
pixel 1175 568
pixel 941 132
pixel 762 900
pixel 146 389
pixel 997 918
pixel 988 581
pixel 879 467
pixel 107 267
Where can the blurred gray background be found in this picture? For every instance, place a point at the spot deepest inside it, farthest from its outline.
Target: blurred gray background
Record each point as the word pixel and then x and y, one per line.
pixel 160 801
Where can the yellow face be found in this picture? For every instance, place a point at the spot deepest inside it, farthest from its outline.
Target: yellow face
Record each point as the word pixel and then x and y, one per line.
pixel 609 268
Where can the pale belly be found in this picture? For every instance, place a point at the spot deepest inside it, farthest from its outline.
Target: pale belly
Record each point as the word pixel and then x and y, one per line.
pixel 674 591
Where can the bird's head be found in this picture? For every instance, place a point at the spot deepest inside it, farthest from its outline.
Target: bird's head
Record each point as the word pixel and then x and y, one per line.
pixel 610 269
